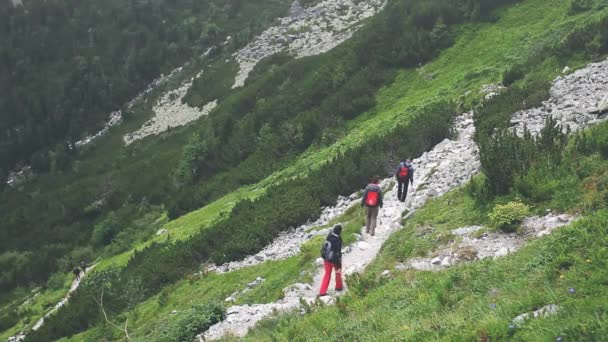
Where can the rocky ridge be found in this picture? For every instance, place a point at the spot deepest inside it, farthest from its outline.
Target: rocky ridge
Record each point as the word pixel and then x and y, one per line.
pixel 307 32
pixel 577 100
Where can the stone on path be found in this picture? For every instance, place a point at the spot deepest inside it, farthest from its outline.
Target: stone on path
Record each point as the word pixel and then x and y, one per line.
pixel 545 311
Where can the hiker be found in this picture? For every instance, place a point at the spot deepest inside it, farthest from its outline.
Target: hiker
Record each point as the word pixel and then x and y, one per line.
pixel 372 199
pixel 405 176
pixel 76 272
pixel 331 252
pixel 83 266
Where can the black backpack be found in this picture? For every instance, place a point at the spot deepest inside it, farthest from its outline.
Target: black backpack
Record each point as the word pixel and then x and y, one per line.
pixel 327 252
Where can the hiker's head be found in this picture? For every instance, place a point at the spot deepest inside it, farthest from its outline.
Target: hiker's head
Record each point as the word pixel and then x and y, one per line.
pixel 408 161
pixel 374 179
pixel 337 229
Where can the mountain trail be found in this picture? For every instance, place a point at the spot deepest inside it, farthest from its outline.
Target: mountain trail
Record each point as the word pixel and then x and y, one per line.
pixel 448 165
pixel 75 283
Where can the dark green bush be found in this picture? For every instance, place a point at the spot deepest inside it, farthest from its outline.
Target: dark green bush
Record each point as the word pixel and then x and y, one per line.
pixel 186 325
pixel 578 6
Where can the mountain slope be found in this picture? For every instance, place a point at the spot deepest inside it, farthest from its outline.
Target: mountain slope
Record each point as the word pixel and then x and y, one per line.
pixel 475 59
pixel 460 83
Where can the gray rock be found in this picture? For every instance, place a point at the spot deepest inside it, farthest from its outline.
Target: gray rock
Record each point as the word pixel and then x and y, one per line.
pixel 446 262
pixel 547 310
pixel 363 245
pixel 401 267
pixel 436 261
pixel 501 252
pixel 327 300
pixel 255 283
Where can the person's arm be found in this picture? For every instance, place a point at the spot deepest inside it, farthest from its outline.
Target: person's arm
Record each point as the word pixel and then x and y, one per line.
pixel 364 197
pixel 380 198
pixel 411 175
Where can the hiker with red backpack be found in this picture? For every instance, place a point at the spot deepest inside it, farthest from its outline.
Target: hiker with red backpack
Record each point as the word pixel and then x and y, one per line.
pixel 405 176
pixel 372 200
pixel 331 252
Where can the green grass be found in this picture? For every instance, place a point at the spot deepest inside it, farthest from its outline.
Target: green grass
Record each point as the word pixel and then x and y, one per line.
pixel 150 314
pixel 430 228
pixel 471 301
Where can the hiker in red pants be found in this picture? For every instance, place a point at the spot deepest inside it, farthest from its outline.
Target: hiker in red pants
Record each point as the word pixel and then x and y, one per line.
pixel 372 199
pixel 332 256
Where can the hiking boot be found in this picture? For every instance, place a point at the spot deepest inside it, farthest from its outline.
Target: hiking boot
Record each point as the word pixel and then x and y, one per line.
pixel 322 295
pixel 340 289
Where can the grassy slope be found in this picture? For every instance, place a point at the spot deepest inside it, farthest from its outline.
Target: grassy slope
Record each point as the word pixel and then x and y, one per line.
pixel 481 54
pixel 478 301
pixel 472 301
pixel 150 315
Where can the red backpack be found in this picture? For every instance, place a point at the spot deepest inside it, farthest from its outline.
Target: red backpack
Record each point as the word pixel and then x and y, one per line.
pixel 372 198
pixel 404 171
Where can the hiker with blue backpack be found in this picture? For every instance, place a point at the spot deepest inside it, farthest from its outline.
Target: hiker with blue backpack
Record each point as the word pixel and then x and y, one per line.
pixel 405 176
pixel 372 200
pixel 331 252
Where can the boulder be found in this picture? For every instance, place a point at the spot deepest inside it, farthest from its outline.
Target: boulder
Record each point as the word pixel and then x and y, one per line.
pixel 446 262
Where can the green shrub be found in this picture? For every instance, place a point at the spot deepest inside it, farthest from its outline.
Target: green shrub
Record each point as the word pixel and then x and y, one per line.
pixel 185 325
pixel 506 217
pixel 578 6
pixel 479 189
pixel 362 284
pixel 56 281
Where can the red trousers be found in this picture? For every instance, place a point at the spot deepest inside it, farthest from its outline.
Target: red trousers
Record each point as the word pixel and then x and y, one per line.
pixel 327 276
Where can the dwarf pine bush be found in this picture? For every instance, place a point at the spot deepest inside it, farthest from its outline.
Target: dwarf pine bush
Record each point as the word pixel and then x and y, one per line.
pixel 506 217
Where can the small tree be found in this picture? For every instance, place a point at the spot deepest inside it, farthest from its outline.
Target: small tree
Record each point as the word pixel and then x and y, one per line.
pixel 192 156
pixel 507 217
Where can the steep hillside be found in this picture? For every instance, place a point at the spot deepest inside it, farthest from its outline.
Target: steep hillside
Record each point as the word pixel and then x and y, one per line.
pixel 67 64
pixel 407 111
pixel 112 198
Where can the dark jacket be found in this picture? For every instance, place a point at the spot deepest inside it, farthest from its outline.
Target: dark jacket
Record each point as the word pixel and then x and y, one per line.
pixel 410 174
pixel 372 187
pixel 336 247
